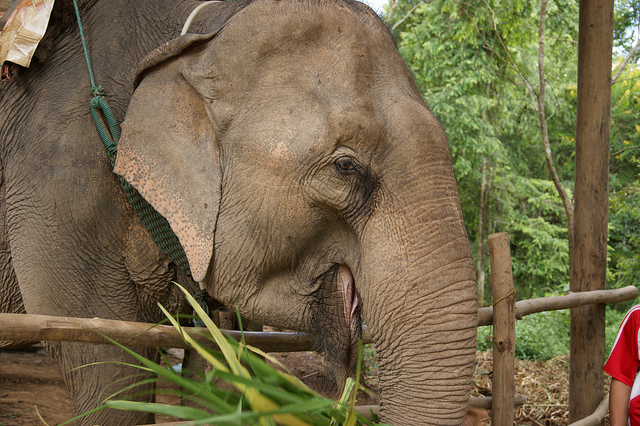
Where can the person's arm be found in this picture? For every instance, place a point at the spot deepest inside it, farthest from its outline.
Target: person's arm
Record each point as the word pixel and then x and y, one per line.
pixel 619 403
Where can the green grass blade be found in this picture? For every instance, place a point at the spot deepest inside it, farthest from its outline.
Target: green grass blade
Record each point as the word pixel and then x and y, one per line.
pixel 190 385
pixel 220 339
pixel 189 413
pixel 265 388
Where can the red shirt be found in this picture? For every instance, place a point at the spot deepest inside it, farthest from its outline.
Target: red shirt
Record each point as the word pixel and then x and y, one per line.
pixel 624 362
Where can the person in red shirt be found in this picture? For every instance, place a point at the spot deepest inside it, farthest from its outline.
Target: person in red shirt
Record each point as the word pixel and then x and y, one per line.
pixel 623 365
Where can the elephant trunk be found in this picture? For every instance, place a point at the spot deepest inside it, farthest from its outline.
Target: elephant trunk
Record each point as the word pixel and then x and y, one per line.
pixel 419 302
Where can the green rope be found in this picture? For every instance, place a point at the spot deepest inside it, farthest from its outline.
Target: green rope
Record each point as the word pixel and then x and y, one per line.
pixel 155 224
pixel 201 298
pixel 84 46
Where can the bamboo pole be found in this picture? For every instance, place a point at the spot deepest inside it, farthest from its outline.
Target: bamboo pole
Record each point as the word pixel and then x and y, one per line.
pixel 504 297
pixel 90 330
pixel 554 303
pixel 27 327
pixel 474 401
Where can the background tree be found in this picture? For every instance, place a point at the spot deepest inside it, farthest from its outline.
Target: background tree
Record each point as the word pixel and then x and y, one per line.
pixel 501 77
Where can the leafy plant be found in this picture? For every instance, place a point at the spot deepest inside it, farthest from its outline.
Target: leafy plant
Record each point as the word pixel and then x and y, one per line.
pixel 258 393
pixel 540 336
pixel 545 335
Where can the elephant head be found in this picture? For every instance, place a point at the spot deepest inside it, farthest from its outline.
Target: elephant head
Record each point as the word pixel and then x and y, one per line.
pixel 309 184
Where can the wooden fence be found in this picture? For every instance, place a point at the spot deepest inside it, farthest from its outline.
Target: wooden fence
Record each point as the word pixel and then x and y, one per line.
pixel 503 314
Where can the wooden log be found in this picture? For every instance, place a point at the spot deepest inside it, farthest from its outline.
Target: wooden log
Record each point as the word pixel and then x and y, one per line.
pixel 4 5
pixel 504 338
pixel 21 326
pixel 89 330
pixel 49 328
pixel 368 410
pixel 597 417
pixel 486 401
pixel 554 303
pixel 589 258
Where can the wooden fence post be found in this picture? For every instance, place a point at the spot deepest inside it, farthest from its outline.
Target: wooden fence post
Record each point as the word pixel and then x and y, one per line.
pixel 504 335
pixel 589 259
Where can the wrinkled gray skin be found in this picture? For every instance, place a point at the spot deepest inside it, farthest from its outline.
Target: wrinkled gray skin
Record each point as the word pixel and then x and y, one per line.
pixel 296 162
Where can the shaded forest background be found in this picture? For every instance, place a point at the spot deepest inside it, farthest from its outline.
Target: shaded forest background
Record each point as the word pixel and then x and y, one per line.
pixel 501 76
pixel 504 88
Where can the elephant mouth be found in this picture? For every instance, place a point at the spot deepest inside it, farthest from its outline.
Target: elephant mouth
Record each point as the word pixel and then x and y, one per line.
pixel 347 288
pixel 338 314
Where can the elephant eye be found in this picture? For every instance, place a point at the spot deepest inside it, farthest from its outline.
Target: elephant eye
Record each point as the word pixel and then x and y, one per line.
pixel 345 165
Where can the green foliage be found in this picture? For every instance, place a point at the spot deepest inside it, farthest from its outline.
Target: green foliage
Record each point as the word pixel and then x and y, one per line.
pixel 612 325
pixel 624 201
pixel 257 392
pixel 626 23
pixel 476 67
pixel 545 335
pixel 540 336
pixel 538 235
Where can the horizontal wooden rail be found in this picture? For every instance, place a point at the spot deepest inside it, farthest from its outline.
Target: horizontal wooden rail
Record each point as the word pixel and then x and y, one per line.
pixel 554 303
pixel 26 327
pixel 474 401
pixel 367 410
pixel 486 401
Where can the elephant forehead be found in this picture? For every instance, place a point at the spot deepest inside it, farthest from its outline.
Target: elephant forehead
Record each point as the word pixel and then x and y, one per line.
pixel 299 37
pixel 289 20
pixel 291 131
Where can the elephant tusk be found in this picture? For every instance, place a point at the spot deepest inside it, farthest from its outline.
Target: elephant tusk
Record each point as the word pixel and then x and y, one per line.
pixel 349 294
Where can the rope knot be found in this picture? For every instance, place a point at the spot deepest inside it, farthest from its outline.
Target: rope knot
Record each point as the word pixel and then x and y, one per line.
pixel 97 91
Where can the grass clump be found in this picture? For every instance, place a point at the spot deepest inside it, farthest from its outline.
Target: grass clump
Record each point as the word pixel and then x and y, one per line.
pixel 256 392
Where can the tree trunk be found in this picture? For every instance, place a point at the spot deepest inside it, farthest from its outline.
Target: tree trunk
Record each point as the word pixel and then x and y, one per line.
pixel 589 262
pixel 544 132
pixel 480 275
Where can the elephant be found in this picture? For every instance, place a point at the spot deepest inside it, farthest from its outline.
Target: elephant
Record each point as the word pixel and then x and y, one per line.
pixel 288 148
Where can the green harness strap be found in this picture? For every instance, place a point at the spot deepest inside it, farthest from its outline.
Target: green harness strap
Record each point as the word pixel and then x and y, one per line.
pixel 155 224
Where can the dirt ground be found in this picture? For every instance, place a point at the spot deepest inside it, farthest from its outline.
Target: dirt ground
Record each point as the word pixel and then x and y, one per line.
pixel 30 379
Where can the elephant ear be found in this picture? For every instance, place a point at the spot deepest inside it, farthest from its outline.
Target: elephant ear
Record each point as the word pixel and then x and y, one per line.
pixel 168 151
